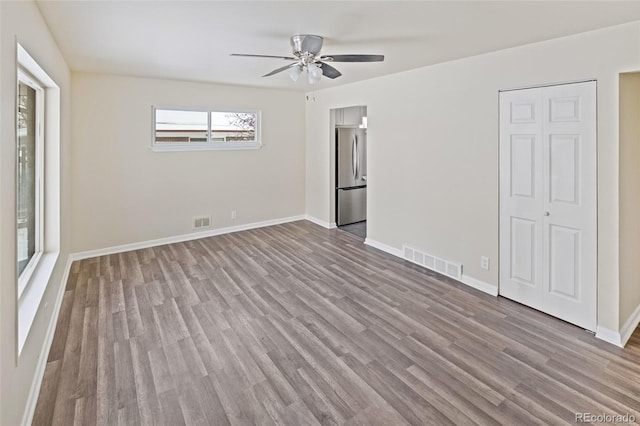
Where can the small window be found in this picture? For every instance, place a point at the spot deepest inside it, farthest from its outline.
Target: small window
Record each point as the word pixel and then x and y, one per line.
pixel 29 151
pixel 184 130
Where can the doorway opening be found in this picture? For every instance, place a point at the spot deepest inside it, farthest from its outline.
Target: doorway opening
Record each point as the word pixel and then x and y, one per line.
pixel 349 139
pixel 629 193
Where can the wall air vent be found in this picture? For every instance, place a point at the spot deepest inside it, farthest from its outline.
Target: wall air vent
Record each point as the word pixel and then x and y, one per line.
pixel 408 253
pixel 454 270
pixel 201 222
pixel 429 261
pixel 450 269
pixel 441 266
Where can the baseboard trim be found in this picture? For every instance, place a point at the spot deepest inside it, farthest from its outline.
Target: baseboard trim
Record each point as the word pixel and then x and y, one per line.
pixel 183 238
pixel 620 338
pixel 480 285
pixel 34 392
pixel 384 247
pixel 320 222
pixel 630 326
pixel 609 336
pixel 467 280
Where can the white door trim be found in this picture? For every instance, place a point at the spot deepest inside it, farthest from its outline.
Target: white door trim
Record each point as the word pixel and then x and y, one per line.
pixel 538 86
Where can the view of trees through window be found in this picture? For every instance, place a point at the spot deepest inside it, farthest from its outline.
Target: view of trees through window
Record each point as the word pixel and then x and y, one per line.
pixel 246 122
pixel 180 126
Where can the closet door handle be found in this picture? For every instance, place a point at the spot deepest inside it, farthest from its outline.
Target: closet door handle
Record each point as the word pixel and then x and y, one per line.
pixel 546 213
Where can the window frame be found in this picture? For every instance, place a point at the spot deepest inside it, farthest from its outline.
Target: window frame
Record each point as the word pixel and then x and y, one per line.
pixel 209 145
pixel 24 77
pixel 32 295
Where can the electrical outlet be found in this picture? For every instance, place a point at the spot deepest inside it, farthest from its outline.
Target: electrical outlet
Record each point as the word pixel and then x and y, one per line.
pixel 484 262
pixel 234 214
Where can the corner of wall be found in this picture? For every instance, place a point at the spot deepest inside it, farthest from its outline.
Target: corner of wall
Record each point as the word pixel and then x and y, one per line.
pixel 621 337
pixel 630 326
pixel 323 223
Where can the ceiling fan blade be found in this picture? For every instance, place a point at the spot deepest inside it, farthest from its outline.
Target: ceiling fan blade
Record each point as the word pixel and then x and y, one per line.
pixel 329 71
pixel 289 58
pixel 311 43
pixel 352 58
pixel 276 71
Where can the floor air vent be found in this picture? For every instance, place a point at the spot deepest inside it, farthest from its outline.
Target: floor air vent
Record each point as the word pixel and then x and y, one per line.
pixel 450 269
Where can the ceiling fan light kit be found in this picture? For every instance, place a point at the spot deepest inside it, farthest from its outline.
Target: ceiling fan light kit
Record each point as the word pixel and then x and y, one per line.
pixel 314 73
pixel 306 54
pixel 295 72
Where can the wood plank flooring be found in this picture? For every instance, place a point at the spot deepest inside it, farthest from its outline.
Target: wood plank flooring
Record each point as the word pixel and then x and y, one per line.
pixel 298 325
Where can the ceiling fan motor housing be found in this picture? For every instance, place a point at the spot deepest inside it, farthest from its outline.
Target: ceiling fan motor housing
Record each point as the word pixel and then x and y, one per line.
pixel 306 43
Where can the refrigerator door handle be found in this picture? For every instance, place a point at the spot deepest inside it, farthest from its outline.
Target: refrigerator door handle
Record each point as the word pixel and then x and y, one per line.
pixel 357 157
pixel 354 157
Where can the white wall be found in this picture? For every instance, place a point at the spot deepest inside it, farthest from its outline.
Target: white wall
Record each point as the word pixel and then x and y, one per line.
pixel 123 193
pixel 22 22
pixel 629 195
pixel 433 148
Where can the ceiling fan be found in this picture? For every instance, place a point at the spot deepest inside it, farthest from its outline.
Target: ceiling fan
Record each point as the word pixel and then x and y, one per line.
pixel 306 54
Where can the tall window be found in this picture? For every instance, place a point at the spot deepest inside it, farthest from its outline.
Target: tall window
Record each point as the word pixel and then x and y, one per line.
pixel 29 172
pixel 37 187
pixel 183 130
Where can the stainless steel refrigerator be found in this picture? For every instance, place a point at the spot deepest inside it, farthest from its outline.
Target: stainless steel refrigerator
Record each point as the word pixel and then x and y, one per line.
pixel 351 175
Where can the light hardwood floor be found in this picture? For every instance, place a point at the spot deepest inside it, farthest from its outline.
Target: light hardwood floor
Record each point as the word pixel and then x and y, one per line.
pixel 298 325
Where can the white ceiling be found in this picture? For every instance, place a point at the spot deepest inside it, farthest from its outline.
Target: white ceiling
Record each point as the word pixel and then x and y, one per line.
pixel 192 40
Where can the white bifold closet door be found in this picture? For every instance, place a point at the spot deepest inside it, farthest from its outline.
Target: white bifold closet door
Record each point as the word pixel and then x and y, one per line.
pixel 548 200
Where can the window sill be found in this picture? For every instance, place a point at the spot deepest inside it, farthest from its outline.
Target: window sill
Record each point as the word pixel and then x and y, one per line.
pixel 204 147
pixel 31 296
pixel 25 277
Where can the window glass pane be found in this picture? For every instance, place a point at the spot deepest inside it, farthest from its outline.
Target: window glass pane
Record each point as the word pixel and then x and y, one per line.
pixel 233 126
pixel 26 175
pixel 181 126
